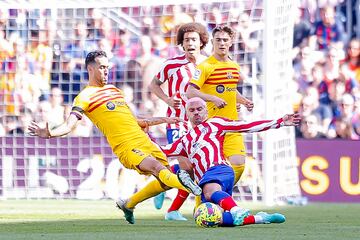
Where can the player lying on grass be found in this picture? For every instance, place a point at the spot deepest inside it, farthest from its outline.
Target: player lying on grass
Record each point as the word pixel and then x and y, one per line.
pixel 105 106
pixel 203 145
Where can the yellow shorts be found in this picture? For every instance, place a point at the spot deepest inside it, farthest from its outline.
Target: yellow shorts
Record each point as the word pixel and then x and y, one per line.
pixel 234 145
pixel 132 157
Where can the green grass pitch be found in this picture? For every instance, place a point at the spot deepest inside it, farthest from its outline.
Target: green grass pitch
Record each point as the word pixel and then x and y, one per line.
pixel 90 220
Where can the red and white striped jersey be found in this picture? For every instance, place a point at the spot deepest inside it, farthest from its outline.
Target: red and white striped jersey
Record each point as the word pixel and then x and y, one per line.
pixel 203 145
pixel 178 72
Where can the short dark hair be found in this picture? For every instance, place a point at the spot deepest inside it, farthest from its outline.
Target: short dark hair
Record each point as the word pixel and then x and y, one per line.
pixel 224 28
pixel 90 58
pixel 193 27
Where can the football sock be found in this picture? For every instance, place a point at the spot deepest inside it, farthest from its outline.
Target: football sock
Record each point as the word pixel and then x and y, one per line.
pixel 179 200
pixel 249 220
pixel 238 170
pixel 228 220
pixel 223 199
pixel 181 195
pixel 175 168
pixel 151 189
pixel 170 179
pixel 197 201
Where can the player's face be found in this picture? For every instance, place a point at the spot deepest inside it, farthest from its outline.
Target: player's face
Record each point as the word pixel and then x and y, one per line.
pixel 222 43
pixel 192 43
pixel 197 112
pixel 101 70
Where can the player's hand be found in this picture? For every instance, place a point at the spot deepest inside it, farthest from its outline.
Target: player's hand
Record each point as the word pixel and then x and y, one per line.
pixel 220 103
pixel 174 101
pixel 238 107
pixel 171 120
pixel 36 130
pixel 249 105
pixel 292 119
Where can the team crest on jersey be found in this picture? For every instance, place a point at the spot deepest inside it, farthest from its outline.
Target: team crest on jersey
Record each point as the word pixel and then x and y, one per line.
pixel 220 88
pixel 197 74
pixel 229 75
pixel 110 105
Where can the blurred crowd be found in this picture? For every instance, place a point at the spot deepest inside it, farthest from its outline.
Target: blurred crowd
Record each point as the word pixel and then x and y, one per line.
pixel 42 54
pixel 326 75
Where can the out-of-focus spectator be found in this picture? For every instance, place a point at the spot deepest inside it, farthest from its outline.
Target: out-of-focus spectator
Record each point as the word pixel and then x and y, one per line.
pixel 342 125
pixel 310 128
pixel 106 31
pixel 310 106
pixel 328 31
pixel 302 28
pixel 332 63
pixel 41 55
pixel 248 37
pixel 175 17
pixel 79 46
pixel 125 47
pixel 67 79
pixel 57 110
pixel 12 125
pixel 352 60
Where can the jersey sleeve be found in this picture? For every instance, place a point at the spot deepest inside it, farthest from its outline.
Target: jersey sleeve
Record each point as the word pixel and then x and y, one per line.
pixel 200 76
pixel 227 125
pixel 81 103
pixel 163 74
pixel 174 149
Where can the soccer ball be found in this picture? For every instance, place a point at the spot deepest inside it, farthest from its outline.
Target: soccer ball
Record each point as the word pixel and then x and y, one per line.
pixel 208 215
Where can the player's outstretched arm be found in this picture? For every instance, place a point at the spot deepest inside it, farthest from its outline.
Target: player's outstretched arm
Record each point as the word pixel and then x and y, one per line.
pixel 45 132
pixel 291 119
pixel 144 123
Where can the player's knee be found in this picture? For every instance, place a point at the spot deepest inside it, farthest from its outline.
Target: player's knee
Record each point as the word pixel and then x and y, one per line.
pixel 237 159
pixel 207 196
pixel 151 165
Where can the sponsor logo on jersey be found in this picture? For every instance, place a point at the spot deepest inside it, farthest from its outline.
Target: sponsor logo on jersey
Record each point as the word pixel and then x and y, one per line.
pixel 220 88
pixel 138 152
pixel 197 74
pixel 230 89
pixel 110 105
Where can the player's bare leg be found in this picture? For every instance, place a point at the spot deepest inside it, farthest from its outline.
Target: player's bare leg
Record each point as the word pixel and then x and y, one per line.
pixel 238 164
pixel 166 180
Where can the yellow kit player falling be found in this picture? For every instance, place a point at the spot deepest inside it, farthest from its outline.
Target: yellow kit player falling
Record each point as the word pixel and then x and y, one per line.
pixel 105 106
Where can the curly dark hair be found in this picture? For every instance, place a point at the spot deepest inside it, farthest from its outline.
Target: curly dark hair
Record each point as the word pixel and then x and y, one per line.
pixel 90 57
pixel 224 28
pixel 192 27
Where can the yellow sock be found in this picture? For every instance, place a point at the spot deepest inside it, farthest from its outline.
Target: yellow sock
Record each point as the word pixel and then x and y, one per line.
pixel 152 189
pixel 197 201
pixel 170 179
pixel 238 169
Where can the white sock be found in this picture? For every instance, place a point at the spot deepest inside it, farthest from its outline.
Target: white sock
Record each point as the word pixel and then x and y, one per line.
pixel 258 219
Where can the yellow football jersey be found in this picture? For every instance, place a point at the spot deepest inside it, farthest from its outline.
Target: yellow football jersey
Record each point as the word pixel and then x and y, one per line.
pixel 106 108
pixel 220 79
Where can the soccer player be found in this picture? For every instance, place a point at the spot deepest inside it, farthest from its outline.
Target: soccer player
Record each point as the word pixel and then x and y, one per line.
pixel 215 81
pixel 105 106
pixel 203 145
pixel 177 72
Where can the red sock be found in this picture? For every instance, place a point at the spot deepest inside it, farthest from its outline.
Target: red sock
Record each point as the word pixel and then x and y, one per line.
pixel 249 220
pixel 179 200
pixel 227 203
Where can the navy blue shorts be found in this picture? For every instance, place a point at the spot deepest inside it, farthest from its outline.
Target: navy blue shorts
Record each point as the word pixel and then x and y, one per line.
pixel 223 175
